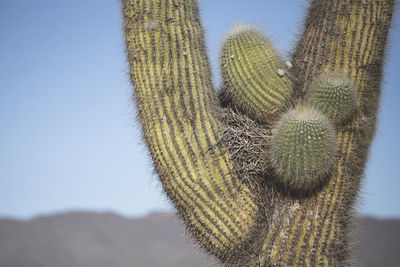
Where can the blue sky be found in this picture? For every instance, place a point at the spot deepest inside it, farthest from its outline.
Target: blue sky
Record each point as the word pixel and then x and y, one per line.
pixel 69 139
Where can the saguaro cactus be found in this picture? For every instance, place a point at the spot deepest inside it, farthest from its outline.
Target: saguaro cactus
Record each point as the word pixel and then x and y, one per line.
pixel 266 172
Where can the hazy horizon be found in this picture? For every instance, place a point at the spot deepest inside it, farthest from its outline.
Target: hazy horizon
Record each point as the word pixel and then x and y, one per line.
pixel 70 139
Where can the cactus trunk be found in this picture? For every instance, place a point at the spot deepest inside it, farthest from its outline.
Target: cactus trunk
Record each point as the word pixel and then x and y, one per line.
pixel 217 165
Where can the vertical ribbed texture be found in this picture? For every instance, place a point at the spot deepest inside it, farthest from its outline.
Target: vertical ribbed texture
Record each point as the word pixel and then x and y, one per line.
pixel 253 222
pixel 255 78
pixel 175 101
pixel 346 37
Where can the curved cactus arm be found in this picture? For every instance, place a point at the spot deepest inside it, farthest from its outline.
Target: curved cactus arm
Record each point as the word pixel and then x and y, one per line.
pixel 347 37
pixel 255 77
pixel 177 109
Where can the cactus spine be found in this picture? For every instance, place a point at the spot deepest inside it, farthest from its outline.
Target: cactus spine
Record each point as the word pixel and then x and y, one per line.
pixel 302 148
pixel 213 162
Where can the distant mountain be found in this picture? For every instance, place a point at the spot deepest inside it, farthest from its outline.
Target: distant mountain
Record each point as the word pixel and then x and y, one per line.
pixel 97 240
pixel 377 242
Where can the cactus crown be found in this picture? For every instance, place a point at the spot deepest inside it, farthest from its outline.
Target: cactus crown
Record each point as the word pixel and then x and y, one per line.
pixel 334 95
pixel 255 77
pixel 302 148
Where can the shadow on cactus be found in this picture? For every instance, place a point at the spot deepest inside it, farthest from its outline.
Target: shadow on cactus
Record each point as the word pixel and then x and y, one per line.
pixel 266 172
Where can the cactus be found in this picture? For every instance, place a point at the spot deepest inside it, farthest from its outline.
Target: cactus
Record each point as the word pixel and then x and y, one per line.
pixel 215 158
pixel 302 148
pixel 335 95
pixel 253 73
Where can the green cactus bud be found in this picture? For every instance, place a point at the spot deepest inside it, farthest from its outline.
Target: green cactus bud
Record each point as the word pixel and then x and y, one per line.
pixel 302 148
pixel 255 78
pixel 334 95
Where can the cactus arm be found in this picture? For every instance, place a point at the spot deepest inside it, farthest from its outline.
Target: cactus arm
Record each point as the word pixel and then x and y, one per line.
pixel 176 107
pixel 346 37
pixel 255 77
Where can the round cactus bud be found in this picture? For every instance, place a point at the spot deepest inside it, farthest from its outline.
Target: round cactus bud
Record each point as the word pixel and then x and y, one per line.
pixel 302 148
pixel 334 95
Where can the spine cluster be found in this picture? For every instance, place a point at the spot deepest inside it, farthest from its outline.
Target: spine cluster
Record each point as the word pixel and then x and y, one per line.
pixel 334 95
pixel 303 148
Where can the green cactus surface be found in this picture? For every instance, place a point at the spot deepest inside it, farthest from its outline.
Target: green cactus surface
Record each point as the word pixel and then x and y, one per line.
pixel 255 77
pixel 334 95
pixel 219 155
pixel 302 148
